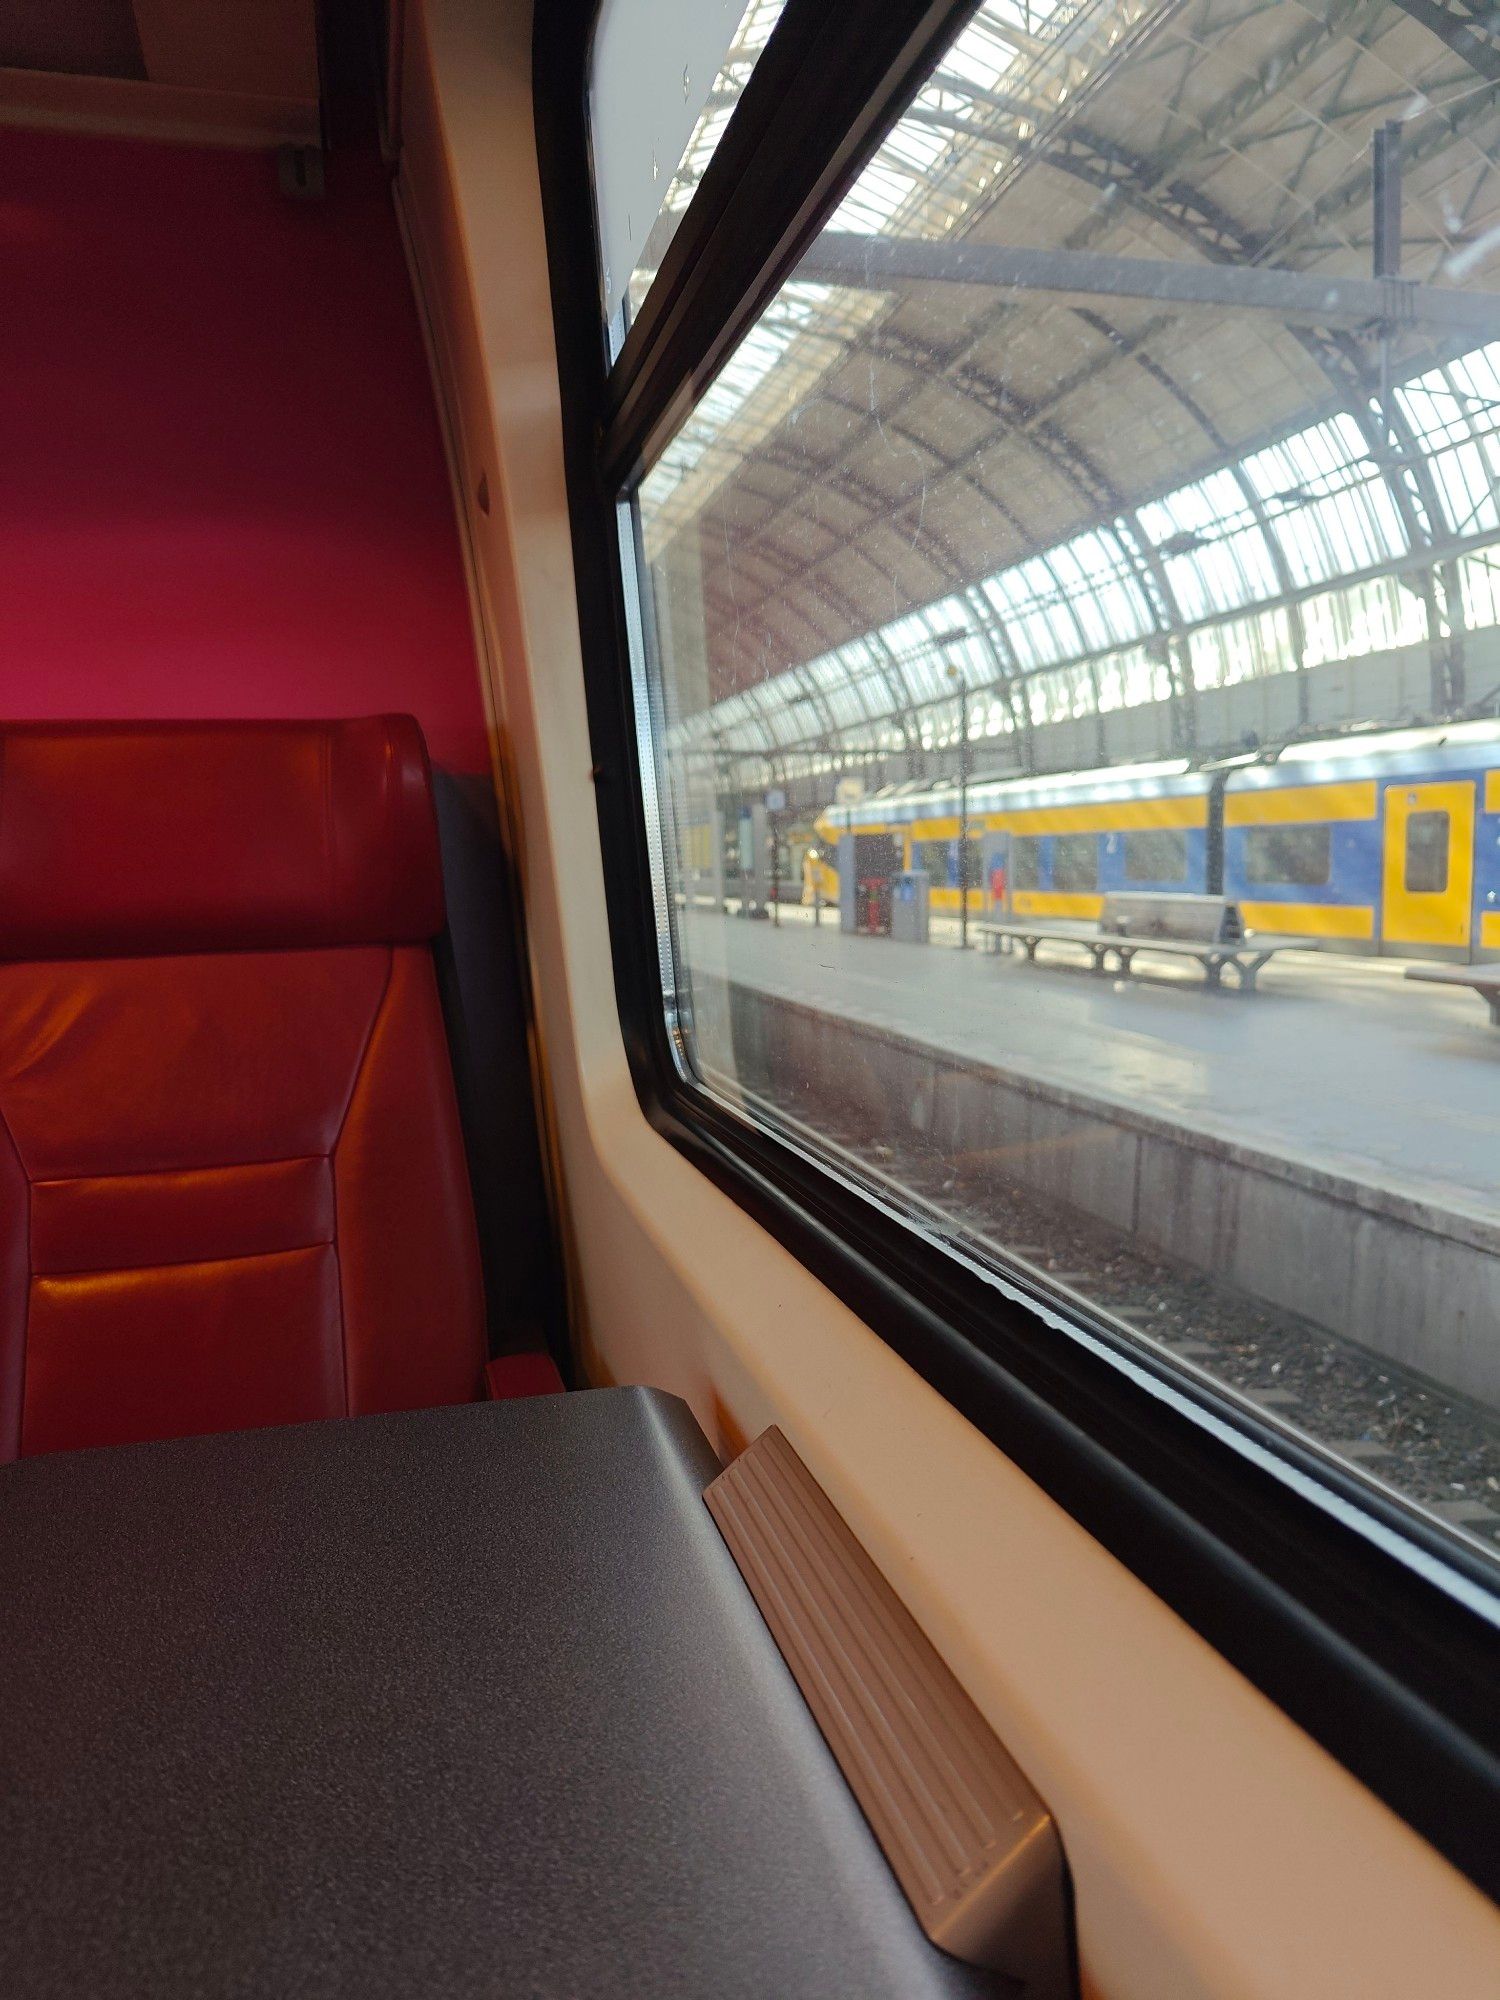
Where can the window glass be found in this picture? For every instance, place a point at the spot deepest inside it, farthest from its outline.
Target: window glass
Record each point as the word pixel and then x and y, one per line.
pixel 1297 855
pixel 1156 854
pixel 1075 862
pixel 1427 853
pixel 667 74
pixel 941 860
pixel 1060 490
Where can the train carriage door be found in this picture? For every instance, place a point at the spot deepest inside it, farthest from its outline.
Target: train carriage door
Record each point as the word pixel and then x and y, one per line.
pixel 1429 864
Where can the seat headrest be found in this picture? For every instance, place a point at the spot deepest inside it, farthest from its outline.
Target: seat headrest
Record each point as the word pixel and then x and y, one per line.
pixel 128 840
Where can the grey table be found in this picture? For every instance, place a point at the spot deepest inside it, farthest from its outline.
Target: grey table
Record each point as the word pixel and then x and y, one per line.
pixel 465 1702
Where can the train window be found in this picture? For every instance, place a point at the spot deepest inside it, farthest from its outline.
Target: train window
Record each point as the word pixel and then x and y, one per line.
pixel 941 860
pixel 929 538
pixel 901 407
pixel 1009 464
pixel 1156 854
pixel 1075 863
pixel 1427 845
pixel 676 69
pixel 1296 856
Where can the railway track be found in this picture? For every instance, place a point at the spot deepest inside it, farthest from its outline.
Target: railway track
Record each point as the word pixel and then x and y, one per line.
pixel 1437 1447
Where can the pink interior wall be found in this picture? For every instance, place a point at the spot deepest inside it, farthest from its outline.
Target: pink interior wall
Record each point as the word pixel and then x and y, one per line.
pixel 222 489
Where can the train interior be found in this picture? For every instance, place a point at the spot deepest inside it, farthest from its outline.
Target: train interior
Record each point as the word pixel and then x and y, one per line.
pixel 525 1466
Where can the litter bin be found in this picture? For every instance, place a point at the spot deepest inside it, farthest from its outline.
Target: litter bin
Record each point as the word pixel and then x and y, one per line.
pixel 909 897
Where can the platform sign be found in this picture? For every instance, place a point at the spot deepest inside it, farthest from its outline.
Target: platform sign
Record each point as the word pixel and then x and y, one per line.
pixel 775 800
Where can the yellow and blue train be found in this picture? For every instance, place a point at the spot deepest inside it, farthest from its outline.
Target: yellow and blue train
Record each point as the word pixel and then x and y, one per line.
pixel 1374 843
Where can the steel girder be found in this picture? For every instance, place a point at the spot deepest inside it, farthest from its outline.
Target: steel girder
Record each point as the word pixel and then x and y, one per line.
pixel 1471 30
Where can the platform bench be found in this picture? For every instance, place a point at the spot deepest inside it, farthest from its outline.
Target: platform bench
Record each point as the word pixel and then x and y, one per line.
pixel 1243 956
pixel 1483 979
pixel 1177 914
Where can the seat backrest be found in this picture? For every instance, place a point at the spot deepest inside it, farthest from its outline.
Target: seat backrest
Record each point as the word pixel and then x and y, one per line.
pixel 232 1182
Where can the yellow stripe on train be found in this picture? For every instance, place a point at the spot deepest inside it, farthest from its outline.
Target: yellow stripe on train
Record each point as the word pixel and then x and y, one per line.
pixel 1122 816
pixel 1292 805
pixel 1051 903
pixel 1330 920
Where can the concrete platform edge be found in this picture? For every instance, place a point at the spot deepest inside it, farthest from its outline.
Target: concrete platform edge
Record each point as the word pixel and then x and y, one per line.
pixel 1403 1276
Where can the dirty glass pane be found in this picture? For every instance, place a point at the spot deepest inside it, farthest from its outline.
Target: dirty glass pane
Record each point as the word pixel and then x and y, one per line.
pixel 666 74
pixel 1296 855
pixel 1158 854
pixel 1081 495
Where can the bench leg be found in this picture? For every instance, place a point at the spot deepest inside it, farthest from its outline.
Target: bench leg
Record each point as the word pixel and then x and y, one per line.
pixel 1494 1000
pixel 1031 945
pixel 1213 973
pixel 1125 961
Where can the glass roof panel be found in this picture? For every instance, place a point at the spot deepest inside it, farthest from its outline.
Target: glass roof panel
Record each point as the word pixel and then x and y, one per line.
pixel 1325 504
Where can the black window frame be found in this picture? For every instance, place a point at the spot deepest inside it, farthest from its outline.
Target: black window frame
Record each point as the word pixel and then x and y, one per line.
pixel 1360 1618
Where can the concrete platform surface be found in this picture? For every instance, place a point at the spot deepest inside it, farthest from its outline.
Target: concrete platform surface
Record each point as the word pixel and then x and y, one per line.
pixel 1338 1062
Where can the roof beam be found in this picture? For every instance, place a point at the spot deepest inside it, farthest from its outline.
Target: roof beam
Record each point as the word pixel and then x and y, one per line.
pixel 879 263
pixel 1470 30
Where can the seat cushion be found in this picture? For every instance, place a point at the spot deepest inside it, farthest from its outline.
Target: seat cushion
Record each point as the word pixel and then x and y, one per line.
pixel 232 1192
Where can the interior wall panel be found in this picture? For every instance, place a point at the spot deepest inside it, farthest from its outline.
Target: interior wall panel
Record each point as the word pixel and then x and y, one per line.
pixel 222 485
pixel 1217 1852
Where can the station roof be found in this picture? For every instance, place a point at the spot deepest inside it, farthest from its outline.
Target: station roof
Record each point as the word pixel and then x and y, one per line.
pixel 1081 393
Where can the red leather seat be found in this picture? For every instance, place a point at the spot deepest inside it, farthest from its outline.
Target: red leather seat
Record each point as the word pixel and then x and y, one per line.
pixel 232 1182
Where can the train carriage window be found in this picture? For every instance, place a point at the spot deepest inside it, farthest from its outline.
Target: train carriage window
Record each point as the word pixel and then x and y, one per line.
pixel 790 530
pixel 993 467
pixel 1427 845
pixel 1075 863
pixel 1156 854
pixel 676 69
pixel 940 858
pixel 1297 856
pixel 877 553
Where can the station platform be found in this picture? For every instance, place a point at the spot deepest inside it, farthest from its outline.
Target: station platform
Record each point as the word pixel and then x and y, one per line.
pixel 1336 1062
